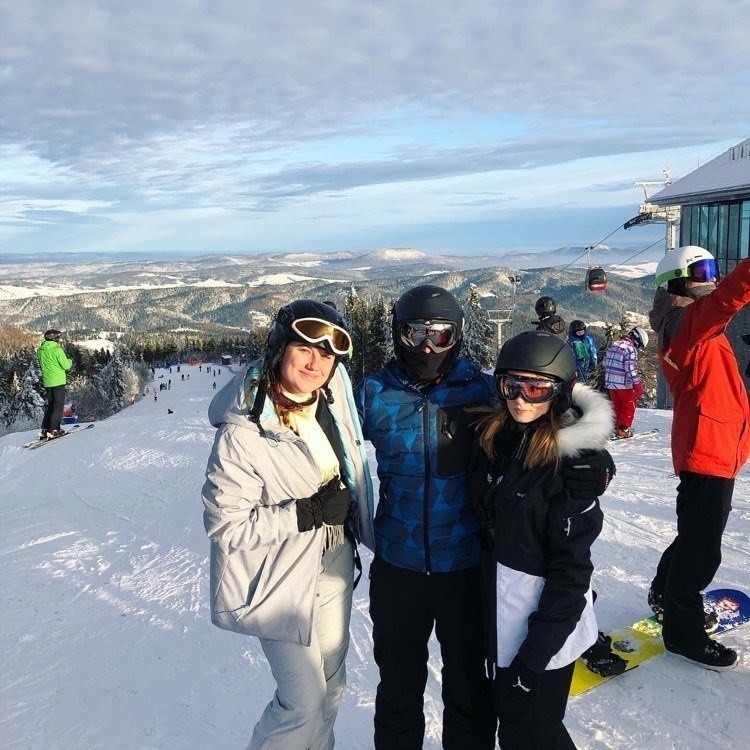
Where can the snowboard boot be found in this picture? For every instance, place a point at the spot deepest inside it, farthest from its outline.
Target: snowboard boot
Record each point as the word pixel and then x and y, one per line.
pixel 656 603
pixel 601 660
pixel 711 655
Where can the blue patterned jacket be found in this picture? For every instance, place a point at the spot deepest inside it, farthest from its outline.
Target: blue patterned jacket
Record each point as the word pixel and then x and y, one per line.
pixel 424 519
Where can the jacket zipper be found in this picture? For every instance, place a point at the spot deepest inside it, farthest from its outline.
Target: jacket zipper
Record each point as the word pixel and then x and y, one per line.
pixel 425 409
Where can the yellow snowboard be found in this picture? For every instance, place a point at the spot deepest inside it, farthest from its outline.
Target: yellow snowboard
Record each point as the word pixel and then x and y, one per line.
pixel 636 643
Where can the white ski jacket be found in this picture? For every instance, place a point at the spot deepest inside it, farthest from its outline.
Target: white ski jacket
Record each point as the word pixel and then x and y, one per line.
pixel 264 571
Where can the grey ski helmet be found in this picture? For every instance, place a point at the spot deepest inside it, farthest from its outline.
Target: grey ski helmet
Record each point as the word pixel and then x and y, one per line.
pixel 545 306
pixel 427 302
pixel 542 353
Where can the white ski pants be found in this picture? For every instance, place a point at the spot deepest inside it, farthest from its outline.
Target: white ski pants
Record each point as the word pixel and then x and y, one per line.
pixel 310 679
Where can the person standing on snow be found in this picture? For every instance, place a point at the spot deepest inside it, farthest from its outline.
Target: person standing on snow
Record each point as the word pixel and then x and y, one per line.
pixel 548 319
pixel 622 379
pixel 584 351
pixel 541 602
pixel 710 438
pixel 287 495
pixel 425 574
pixel 54 364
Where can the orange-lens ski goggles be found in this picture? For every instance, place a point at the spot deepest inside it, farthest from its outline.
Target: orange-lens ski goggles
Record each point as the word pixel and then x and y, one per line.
pixel 533 390
pixel 317 331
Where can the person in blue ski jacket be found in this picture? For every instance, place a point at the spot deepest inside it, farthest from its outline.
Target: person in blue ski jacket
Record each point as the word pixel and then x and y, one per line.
pixel 426 573
pixel 584 350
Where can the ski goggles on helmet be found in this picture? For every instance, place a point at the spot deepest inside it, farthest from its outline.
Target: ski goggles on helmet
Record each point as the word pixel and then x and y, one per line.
pixel 705 269
pixel 317 331
pixel 439 335
pixel 533 390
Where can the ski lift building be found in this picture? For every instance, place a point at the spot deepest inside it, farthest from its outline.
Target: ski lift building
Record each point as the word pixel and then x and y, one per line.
pixel 714 203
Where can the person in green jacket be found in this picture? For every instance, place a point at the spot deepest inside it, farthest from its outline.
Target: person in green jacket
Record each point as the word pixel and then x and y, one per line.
pixel 54 364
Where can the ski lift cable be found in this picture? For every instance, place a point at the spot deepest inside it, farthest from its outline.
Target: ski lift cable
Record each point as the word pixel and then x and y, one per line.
pixel 640 252
pixel 587 250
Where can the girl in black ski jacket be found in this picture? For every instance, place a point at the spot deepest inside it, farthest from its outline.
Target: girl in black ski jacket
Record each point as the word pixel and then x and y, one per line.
pixel 539 571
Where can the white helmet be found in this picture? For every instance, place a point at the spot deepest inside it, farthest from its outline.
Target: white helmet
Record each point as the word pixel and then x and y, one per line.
pixel 639 337
pixel 676 265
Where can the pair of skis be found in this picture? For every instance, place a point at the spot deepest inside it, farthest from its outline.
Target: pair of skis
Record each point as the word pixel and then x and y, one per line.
pixel 74 429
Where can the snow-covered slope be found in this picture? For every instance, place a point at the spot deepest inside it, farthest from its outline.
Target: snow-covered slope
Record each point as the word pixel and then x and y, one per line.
pixel 105 629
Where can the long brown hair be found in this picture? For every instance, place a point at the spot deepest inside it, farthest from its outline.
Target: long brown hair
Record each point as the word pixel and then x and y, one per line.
pixel 542 448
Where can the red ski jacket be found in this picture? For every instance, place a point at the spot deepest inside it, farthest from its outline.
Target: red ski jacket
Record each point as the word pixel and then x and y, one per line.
pixel 711 422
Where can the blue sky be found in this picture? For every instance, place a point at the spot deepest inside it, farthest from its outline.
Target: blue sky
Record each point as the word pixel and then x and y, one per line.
pixel 239 126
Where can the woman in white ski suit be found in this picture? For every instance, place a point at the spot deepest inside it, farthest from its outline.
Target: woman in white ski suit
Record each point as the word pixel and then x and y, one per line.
pixel 290 588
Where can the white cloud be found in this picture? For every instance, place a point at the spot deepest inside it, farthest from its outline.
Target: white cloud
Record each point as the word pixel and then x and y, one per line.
pixel 263 112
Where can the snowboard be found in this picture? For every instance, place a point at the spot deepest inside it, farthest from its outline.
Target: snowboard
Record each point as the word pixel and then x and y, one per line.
pixel 38 443
pixel 637 435
pixel 642 640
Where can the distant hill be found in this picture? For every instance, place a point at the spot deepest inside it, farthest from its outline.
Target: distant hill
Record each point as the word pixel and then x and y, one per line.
pixel 212 292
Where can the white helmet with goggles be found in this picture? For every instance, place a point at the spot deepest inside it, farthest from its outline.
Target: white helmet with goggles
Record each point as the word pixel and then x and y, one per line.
pixel 686 263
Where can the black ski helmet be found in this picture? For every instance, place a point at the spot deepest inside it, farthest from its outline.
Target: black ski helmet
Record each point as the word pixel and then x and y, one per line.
pixel 281 331
pixel 545 306
pixel 427 302
pixel 279 335
pixel 52 335
pixel 543 353
pixel 576 325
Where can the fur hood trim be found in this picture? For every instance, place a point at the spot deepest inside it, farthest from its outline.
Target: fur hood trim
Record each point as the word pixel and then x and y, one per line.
pixel 588 425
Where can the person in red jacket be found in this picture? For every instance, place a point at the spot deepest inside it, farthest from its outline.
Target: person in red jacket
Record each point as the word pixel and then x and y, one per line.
pixel 710 438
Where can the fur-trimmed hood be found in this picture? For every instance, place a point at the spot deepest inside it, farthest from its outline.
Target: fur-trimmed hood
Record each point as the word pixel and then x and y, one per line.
pixel 588 424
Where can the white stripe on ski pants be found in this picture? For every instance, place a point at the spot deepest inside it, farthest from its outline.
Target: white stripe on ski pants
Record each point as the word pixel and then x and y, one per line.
pixel 311 679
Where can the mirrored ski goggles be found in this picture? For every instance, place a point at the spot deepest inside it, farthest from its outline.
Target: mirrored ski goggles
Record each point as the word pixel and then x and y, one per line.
pixel 533 390
pixel 438 335
pixel 317 331
pixel 703 270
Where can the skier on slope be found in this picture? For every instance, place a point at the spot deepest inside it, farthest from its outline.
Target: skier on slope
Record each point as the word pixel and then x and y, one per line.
pixel 622 379
pixel 584 350
pixel 54 364
pixel 710 438
pixel 548 319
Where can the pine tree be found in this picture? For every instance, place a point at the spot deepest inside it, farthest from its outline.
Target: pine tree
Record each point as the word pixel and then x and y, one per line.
pixel 379 337
pixel 25 408
pixel 355 315
pixel 477 331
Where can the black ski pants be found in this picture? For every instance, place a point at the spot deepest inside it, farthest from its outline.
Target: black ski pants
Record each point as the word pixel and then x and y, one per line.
pixel 405 606
pixel 54 409
pixel 690 562
pixel 534 721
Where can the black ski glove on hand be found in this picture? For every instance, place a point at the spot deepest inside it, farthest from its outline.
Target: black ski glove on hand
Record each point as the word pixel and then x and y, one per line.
pixel 518 684
pixel 329 504
pixel 587 476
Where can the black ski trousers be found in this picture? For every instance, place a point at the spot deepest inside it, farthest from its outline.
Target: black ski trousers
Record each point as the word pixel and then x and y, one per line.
pixel 690 562
pixel 54 409
pixel 404 607
pixel 534 721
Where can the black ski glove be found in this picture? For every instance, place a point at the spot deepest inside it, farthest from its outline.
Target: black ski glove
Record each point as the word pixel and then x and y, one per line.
pixel 517 685
pixel 328 505
pixel 587 476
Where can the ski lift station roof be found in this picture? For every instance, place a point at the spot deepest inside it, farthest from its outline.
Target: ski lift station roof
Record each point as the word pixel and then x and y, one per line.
pixel 725 178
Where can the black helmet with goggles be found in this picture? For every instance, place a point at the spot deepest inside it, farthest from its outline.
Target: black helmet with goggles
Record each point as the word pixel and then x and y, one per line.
pixel 537 353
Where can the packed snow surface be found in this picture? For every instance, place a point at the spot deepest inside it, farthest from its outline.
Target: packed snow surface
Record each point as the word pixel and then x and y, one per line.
pixel 105 628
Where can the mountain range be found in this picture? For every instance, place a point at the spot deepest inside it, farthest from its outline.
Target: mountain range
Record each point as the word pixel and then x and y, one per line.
pixel 213 292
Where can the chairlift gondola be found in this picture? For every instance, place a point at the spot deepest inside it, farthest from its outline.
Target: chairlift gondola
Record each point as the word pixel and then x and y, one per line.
pixel 596 279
